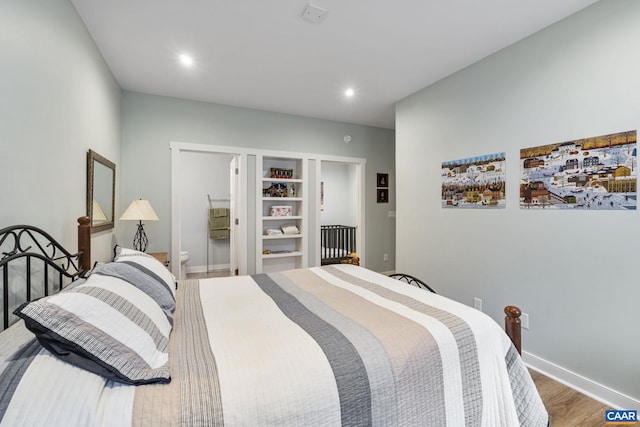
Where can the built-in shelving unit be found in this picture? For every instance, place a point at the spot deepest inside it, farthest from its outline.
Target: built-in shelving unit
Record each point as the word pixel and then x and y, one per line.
pixel 281 211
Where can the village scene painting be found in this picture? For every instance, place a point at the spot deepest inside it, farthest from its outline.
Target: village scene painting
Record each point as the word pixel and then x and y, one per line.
pixel 475 182
pixel 588 174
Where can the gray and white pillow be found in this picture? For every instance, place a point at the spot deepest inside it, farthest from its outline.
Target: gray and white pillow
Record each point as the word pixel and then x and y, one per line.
pixel 147 262
pixel 145 280
pixel 106 326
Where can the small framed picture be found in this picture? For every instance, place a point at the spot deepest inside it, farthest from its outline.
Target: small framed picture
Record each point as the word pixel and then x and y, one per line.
pixel 383 180
pixel 383 195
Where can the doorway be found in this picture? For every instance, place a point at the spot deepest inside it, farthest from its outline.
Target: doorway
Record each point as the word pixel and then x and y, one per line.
pixel 206 205
pixel 341 203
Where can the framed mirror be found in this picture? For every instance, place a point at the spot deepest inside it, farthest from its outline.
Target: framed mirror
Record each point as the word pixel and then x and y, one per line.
pixel 101 191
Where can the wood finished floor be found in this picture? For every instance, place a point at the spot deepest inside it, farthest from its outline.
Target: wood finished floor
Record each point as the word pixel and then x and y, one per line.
pixel 214 273
pixel 567 407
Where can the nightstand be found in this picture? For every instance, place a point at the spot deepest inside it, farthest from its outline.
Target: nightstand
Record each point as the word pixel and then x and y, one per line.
pixel 162 257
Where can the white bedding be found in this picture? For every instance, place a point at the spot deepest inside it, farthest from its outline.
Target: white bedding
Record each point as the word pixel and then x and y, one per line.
pixel 337 345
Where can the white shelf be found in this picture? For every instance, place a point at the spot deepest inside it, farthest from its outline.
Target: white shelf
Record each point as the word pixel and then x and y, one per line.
pixel 291 249
pixel 282 255
pixel 283 180
pixel 278 199
pixel 281 218
pixel 282 236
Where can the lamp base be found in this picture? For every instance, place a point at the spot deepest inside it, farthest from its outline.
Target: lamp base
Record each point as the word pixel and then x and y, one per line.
pixel 140 241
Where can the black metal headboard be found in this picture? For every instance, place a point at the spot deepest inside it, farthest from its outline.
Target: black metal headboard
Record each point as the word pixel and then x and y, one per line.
pixel 38 261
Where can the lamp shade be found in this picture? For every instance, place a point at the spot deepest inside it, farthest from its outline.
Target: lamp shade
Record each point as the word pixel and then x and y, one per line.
pixel 139 210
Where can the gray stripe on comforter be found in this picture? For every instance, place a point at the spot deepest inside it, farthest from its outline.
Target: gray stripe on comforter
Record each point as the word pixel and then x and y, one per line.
pixel 411 349
pixel 10 378
pixel 372 352
pixel 531 411
pixel 467 349
pixel 193 397
pixel 348 368
pixel 201 401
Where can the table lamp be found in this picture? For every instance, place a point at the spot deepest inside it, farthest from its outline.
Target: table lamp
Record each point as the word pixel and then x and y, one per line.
pixel 140 210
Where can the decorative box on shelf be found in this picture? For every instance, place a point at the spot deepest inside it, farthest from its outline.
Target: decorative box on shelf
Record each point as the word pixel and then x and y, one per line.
pixel 281 211
pixel 281 173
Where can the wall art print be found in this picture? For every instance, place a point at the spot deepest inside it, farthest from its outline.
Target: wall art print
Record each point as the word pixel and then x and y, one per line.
pixel 383 180
pixel 588 174
pixel 475 182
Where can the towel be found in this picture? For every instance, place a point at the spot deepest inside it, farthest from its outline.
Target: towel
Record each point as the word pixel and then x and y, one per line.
pixel 219 234
pixel 220 212
pixel 219 223
pixel 290 229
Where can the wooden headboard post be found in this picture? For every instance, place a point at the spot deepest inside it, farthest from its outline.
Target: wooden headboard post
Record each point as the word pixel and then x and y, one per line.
pixel 512 326
pixel 84 241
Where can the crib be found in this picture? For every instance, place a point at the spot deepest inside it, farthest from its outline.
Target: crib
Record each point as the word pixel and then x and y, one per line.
pixel 337 242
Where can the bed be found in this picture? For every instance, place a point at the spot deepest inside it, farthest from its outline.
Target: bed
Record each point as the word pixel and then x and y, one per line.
pixel 337 243
pixel 332 345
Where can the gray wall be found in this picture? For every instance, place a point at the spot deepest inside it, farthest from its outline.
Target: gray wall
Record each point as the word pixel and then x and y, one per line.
pixel 151 122
pixel 575 273
pixel 57 100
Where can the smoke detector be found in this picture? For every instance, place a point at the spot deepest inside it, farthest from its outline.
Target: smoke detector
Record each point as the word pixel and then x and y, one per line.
pixel 314 14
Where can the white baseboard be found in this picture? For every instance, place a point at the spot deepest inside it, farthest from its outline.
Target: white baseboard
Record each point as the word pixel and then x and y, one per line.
pixel 203 268
pixel 579 383
pixel 386 273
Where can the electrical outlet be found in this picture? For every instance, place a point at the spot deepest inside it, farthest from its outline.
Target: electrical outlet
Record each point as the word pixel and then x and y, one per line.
pixel 477 304
pixel 524 320
pixel 385 257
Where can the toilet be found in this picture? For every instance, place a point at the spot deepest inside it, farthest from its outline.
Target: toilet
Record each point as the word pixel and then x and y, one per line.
pixel 184 257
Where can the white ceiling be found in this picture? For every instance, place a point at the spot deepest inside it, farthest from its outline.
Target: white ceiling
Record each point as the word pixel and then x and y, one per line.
pixel 262 54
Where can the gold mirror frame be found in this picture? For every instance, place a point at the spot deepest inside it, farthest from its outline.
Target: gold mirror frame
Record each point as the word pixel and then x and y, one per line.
pixel 98 188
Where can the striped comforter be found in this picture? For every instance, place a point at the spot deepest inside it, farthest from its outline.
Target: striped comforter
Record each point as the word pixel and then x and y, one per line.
pixel 337 345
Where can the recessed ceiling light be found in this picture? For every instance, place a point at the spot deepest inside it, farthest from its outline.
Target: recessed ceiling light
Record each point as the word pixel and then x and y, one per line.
pixel 186 60
pixel 349 93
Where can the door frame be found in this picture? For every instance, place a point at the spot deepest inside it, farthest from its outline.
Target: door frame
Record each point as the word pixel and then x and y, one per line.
pixel 360 164
pixel 240 237
pixel 235 172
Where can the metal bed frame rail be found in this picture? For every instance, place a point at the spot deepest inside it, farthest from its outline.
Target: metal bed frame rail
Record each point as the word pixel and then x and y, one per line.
pixel 29 247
